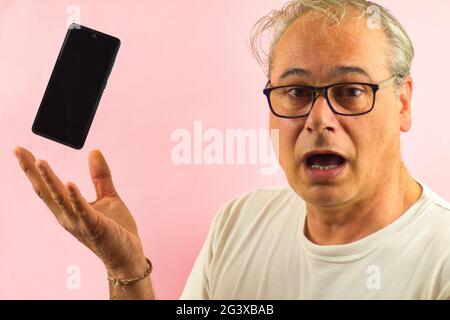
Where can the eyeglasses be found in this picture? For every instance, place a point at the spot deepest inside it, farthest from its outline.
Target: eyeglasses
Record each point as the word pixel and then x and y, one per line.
pixel 345 99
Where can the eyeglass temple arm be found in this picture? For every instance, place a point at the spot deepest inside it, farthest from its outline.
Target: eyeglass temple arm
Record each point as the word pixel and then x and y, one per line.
pixel 388 82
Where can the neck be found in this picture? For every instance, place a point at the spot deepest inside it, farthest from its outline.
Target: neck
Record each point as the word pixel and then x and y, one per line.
pixel 349 222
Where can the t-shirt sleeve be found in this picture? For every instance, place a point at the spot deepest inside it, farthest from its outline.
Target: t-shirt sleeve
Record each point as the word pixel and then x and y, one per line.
pixel 197 286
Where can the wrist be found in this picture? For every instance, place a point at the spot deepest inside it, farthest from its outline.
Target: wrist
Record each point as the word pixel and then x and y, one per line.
pixel 130 270
pixel 128 281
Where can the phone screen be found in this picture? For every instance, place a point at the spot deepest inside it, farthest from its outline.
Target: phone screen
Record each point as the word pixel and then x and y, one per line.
pixel 76 86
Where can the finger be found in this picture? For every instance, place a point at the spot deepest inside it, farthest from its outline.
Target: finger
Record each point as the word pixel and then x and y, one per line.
pixel 27 163
pixel 100 174
pixel 56 188
pixel 87 215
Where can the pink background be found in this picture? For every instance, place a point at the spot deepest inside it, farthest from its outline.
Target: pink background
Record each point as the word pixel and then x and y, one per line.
pixel 180 61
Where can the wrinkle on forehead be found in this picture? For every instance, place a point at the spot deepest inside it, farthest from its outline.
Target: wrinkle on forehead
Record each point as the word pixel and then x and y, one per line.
pixel 315 37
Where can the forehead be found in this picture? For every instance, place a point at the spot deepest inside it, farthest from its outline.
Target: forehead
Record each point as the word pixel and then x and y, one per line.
pixel 316 44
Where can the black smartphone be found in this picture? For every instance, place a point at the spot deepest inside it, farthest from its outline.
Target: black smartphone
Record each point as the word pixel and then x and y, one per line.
pixel 76 85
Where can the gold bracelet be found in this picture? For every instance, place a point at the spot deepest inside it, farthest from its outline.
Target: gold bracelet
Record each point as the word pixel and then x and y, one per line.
pixel 124 282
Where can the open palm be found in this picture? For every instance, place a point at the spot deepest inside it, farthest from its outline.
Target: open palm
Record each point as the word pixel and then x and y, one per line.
pixel 105 225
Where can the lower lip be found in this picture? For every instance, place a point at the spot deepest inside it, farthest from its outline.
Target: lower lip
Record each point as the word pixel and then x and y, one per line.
pixel 324 175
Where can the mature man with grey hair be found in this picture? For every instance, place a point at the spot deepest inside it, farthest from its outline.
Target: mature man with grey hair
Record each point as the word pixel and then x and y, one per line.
pixel 353 223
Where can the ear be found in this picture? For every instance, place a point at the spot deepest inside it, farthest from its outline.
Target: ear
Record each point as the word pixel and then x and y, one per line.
pixel 404 104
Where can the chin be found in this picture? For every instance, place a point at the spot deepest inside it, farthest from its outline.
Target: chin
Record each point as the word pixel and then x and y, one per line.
pixel 319 194
pixel 320 198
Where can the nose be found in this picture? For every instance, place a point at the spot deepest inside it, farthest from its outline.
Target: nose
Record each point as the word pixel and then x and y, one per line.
pixel 321 116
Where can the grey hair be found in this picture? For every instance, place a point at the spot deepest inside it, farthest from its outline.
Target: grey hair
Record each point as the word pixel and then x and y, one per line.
pixel 401 51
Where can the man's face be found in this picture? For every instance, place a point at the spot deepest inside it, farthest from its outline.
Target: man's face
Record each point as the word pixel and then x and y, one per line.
pixel 369 143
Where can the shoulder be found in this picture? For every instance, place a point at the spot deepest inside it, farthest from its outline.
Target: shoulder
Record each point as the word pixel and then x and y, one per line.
pixel 438 212
pixel 437 228
pixel 433 223
pixel 258 198
pixel 252 208
pixel 439 242
pixel 254 201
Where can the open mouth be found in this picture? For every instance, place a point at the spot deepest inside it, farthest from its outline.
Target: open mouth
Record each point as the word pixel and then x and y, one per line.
pixel 323 167
pixel 325 161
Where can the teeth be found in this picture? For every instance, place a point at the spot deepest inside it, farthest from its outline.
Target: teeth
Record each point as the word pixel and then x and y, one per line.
pixel 316 166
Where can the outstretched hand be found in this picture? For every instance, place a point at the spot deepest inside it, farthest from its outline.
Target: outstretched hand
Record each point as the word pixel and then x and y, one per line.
pixel 105 225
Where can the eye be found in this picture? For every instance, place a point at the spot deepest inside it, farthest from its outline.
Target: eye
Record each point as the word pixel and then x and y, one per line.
pixel 350 91
pixel 298 92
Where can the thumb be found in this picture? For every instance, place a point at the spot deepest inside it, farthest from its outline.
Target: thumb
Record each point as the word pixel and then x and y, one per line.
pixel 100 174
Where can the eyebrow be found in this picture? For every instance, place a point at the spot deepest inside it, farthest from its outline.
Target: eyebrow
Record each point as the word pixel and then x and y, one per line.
pixel 295 72
pixel 336 72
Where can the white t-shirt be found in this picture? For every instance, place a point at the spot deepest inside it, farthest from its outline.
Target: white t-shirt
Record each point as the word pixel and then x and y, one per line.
pixel 256 249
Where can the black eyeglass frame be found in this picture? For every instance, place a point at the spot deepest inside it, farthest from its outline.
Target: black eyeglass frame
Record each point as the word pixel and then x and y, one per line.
pixel 324 90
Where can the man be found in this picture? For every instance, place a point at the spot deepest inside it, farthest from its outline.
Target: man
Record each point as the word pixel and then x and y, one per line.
pixel 353 223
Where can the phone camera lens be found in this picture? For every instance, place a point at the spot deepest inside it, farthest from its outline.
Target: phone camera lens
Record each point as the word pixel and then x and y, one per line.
pixel 94 35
